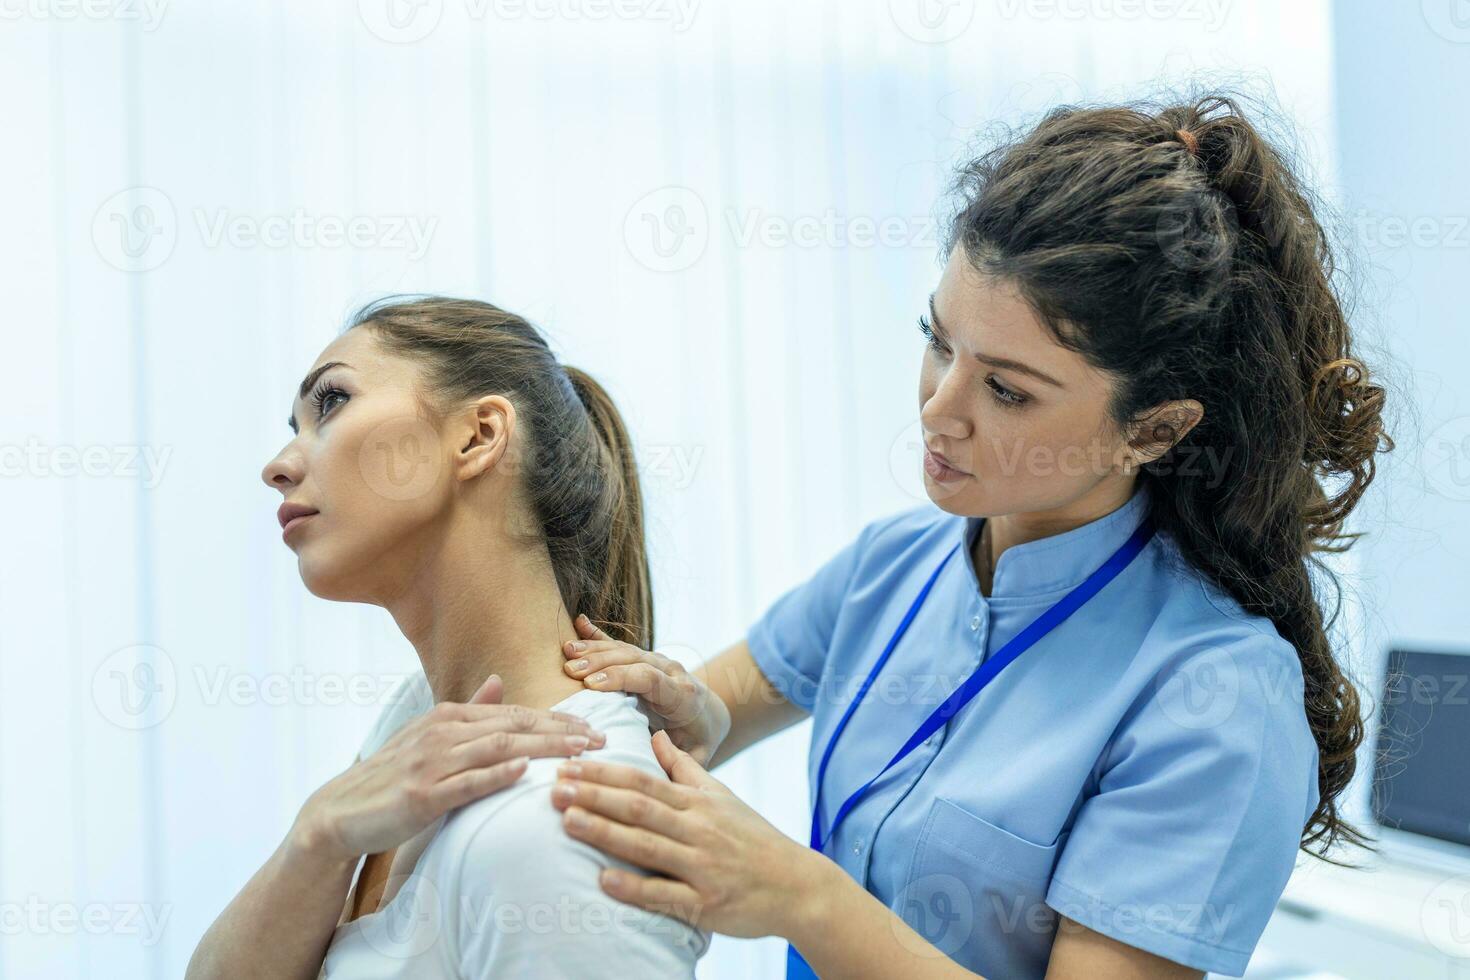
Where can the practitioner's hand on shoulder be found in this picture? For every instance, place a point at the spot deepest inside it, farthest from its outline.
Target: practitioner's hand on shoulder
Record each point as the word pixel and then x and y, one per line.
pixel 694 717
pixel 450 756
pixel 717 863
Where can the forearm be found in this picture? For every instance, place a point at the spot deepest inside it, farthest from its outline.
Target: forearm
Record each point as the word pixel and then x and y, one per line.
pixel 843 931
pixel 756 708
pixel 281 922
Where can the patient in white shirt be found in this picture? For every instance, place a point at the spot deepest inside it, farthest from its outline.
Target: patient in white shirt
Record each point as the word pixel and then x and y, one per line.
pixel 500 890
pixel 446 466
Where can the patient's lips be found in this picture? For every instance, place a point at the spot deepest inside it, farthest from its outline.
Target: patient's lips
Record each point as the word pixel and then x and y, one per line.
pixel 292 516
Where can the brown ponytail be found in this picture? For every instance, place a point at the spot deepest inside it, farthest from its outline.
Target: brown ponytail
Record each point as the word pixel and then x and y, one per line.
pixel 1196 268
pixel 623 601
pixel 581 477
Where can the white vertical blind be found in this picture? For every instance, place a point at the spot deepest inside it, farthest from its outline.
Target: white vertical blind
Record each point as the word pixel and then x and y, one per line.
pixel 723 211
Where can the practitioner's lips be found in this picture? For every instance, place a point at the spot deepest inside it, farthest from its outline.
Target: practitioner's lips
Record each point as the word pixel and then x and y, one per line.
pixel 940 469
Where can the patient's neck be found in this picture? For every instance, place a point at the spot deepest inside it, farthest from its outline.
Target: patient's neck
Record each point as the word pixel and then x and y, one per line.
pixel 478 603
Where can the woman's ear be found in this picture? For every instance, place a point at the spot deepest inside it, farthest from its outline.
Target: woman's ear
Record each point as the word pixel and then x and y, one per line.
pixel 485 437
pixel 1157 431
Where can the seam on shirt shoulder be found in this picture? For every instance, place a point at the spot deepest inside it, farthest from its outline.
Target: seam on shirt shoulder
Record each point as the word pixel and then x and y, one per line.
pixel 1238 615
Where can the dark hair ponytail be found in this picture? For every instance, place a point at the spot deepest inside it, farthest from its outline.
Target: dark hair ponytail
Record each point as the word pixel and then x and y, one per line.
pixel 1192 265
pixel 581 478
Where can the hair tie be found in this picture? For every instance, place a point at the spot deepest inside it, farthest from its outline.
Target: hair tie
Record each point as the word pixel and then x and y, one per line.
pixel 1191 143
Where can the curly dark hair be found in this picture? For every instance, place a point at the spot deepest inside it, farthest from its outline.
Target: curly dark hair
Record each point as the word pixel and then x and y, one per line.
pixel 1171 244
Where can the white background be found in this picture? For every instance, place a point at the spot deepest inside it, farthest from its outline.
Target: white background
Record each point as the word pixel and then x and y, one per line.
pixel 683 197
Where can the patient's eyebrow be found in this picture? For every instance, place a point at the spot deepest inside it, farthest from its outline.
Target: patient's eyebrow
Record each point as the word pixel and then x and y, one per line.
pixel 310 380
pixel 1000 362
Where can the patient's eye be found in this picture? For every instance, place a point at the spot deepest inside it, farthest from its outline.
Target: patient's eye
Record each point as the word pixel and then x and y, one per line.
pixel 937 345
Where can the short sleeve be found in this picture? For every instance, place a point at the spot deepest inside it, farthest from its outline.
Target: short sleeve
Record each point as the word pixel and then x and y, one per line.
pixel 1202 796
pixel 528 904
pixel 790 641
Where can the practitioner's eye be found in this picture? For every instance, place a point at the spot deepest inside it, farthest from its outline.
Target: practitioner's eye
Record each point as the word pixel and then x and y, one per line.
pixel 1004 395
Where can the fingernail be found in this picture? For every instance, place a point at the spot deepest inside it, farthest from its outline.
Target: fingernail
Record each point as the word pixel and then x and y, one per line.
pixel 564 792
pixel 578 664
pixel 578 645
pixel 598 738
pixel 612 877
pixel 576 819
pixel 582 618
pixel 576 742
pixel 571 770
pixel 597 678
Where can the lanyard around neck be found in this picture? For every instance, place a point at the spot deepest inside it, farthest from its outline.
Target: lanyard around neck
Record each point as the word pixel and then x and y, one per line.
pixel 975 683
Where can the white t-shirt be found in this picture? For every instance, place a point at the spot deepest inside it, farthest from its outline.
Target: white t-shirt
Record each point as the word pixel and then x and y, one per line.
pixel 500 890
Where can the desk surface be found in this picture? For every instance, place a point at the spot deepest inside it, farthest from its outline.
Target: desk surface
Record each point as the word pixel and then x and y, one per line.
pixel 1411 902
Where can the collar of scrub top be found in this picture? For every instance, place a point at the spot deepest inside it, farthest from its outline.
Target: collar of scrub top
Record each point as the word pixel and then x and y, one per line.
pixel 1061 561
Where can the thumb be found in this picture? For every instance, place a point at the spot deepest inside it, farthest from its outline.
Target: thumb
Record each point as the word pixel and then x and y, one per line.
pixel 490 692
pixel 680 765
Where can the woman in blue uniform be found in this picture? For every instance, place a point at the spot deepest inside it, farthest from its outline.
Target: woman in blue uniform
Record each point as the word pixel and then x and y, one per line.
pixel 1077 718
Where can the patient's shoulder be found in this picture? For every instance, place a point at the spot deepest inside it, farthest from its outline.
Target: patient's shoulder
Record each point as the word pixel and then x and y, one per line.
pixel 516 881
pixel 515 838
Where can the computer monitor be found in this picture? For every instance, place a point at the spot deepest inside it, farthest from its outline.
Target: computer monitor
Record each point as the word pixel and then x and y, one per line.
pixel 1422 763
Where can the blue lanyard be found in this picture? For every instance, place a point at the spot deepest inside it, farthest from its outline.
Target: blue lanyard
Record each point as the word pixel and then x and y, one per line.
pixel 796 967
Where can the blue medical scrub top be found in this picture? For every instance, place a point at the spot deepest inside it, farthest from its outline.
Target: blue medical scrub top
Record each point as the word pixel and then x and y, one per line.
pixel 1146 769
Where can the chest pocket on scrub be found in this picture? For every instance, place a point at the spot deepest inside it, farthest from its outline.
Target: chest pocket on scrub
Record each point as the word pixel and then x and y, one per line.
pixel 965 870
